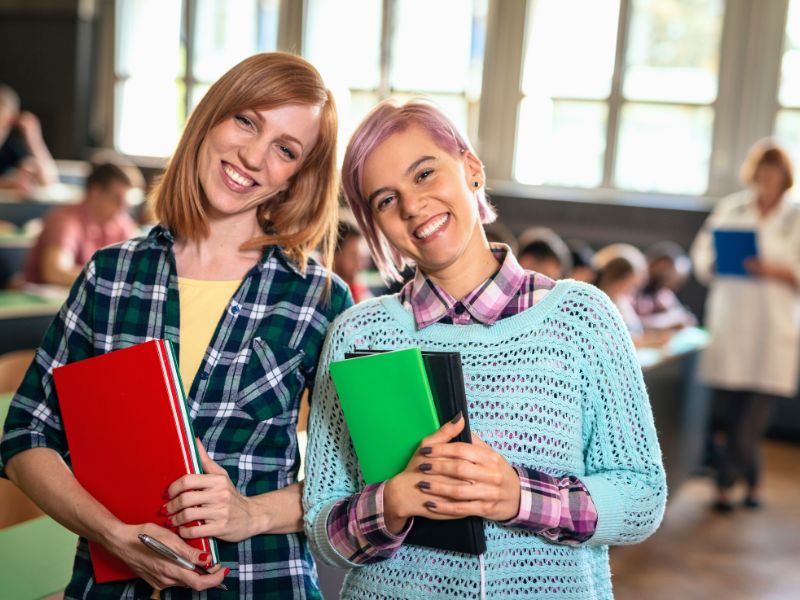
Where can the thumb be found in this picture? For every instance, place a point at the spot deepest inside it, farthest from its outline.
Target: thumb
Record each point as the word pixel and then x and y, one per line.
pixel 209 466
pixel 446 432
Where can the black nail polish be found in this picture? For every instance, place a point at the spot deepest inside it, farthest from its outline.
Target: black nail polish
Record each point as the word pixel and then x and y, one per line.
pixel 425 467
pixel 426 450
pixel 456 419
pixel 424 485
pixel 429 504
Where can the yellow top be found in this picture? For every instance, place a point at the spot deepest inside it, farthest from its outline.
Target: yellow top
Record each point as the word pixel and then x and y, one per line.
pixel 202 304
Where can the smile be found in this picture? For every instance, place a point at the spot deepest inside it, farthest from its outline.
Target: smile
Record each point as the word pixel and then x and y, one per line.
pixel 237 177
pixel 428 229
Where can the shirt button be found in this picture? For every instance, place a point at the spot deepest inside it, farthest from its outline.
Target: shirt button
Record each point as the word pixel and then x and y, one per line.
pixel 203 375
pixel 459 309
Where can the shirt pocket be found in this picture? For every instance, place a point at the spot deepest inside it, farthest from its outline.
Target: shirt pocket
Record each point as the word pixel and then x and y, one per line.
pixel 271 382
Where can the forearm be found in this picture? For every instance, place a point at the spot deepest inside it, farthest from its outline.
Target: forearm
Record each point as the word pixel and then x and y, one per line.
pixel 45 478
pixel 45 168
pixel 280 511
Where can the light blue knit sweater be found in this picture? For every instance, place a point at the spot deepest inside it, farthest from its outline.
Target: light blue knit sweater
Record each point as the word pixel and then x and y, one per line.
pixel 557 388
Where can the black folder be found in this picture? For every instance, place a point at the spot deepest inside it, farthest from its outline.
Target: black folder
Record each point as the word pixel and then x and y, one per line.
pixel 447 387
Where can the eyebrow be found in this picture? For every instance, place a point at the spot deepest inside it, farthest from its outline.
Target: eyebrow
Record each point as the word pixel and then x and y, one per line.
pixel 286 136
pixel 408 171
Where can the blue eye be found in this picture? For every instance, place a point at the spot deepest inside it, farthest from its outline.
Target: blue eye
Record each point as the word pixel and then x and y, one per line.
pixel 287 152
pixel 243 120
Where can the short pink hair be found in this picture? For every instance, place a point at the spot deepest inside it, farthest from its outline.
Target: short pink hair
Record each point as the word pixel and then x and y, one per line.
pixel 386 119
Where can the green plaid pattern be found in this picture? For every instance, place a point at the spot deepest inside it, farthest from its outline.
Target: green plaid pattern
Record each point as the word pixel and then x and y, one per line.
pixel 243 401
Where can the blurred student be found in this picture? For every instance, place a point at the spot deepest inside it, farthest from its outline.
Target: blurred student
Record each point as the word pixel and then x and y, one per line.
pixel 72 234
pixel 543 251
pixel 350 258
pixel 25 160
pixel 621 273
pixel 754 321
pixel 657 304
pixel 582 257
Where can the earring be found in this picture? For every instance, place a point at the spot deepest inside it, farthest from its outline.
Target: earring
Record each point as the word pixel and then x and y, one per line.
pixel 475 184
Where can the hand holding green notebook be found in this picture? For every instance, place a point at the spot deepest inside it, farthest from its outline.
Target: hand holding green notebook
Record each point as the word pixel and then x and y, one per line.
pixel 388 406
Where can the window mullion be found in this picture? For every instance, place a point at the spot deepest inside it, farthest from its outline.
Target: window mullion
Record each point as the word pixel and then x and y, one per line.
pixel 615 98
pixel 189 12
pixel 387 31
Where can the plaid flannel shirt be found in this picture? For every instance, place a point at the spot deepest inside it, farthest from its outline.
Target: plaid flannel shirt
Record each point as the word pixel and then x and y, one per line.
pixel 243 401
pixel 559 509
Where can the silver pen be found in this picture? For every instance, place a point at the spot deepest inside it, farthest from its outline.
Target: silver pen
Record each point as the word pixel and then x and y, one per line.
pixel 167 552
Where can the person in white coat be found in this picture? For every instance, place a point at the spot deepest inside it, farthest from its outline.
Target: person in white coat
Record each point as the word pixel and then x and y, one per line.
pixel 754 321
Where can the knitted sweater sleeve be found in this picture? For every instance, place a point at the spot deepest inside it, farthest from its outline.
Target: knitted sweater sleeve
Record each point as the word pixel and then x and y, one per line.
pixel 331 465
pixel 624 472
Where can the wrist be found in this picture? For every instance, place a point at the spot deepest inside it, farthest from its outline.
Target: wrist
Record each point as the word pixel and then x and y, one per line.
pixel 393 515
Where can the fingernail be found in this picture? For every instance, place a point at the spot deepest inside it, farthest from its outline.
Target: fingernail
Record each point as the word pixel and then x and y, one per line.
pixel 166 495
pixel 163 511
pixel 227 570
pixel 425 467
pixel 457 418
pixel 426 450
pixel 204 557
pixel 424 485
pixel 429 504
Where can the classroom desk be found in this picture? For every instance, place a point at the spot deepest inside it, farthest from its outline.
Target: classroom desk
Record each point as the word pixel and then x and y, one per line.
pixel 21 210
pixel 24 317
pixel 13 249
pixel 681 405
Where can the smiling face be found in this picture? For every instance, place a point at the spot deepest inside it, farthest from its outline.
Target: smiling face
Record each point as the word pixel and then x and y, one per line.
pixel 251 156
pixel 422 199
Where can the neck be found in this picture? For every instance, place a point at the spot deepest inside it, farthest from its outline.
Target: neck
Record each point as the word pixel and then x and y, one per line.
pixel 767 202
pixel 219 255
pixel 474 267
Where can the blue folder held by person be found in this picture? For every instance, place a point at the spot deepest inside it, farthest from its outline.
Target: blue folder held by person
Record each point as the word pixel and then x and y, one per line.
pixel 733 247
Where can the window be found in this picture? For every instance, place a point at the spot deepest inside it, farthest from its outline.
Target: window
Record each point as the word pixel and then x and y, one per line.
pixel 787 120
pixel 161 73
pixel 630 107
pixel 399 49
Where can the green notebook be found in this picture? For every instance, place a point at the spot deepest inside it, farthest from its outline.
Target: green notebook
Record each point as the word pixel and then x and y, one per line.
pixel 388 406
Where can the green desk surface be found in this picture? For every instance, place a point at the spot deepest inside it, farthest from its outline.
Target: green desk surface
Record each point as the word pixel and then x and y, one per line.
pixel 35 559
pixel 15 303
pixel 5 401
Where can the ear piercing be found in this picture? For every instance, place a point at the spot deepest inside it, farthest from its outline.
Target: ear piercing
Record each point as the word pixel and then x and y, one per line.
pixel 475 184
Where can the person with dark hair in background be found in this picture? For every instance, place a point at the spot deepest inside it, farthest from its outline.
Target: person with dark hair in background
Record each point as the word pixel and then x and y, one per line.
pixel 540 249
pixel 582 256
pixel 25 160
pixel 754 321
pixel 72 234
pixel 656 303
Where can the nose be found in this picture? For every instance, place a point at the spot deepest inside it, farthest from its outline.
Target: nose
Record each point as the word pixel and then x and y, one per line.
pixel 253 154
pixel 411 204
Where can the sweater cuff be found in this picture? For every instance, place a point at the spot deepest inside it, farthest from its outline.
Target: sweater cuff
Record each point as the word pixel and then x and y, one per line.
pixel 610 510
pixel 322 542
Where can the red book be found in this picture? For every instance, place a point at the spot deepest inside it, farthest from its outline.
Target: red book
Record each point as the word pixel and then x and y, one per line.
pixel 129 437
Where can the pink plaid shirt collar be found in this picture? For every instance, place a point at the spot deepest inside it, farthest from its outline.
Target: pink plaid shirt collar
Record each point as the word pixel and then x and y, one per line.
pixel 485 304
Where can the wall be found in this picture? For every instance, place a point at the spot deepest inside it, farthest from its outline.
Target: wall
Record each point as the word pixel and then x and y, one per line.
pixel 47 59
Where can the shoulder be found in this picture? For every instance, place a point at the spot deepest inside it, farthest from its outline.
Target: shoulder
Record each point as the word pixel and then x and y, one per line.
pixel 362 316
pixel 128 252
pixel 733 203
pixel 586 306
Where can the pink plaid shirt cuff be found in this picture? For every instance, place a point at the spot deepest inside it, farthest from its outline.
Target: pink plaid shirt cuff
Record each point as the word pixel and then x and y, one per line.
pixel 558 509
pixel 357 530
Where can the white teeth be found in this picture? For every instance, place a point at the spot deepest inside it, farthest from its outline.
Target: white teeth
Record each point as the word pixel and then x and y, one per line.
pixel 237 177
pixel 432 227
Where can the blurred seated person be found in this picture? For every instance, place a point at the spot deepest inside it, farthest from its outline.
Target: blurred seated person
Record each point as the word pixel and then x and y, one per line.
pixel 621 274
pixel 582 266
pixel 25 161
pixel 656 304
pixel 498 233
pixel 350 258
pixel 543 251
pixel 72 234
